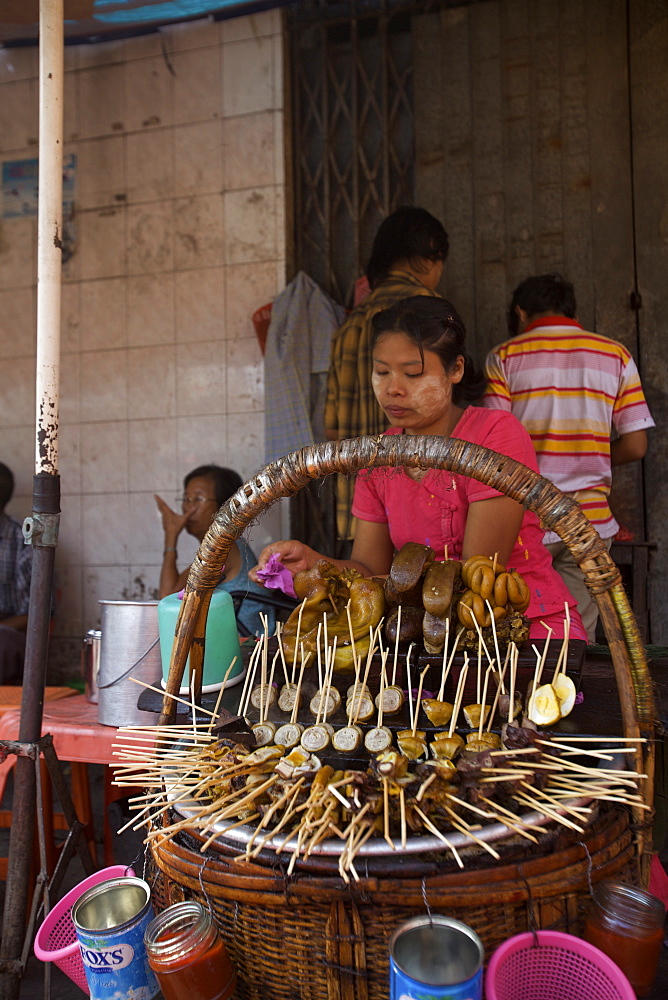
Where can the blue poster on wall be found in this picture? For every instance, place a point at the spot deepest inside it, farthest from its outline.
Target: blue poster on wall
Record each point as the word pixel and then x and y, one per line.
pixel 19 187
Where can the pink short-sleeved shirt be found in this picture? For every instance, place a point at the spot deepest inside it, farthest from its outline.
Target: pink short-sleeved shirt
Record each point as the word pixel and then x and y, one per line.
pixel 434 510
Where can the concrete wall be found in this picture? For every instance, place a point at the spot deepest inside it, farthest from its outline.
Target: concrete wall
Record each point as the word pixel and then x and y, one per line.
pixel 180 236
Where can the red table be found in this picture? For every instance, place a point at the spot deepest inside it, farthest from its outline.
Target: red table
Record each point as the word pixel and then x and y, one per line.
pixel 79 738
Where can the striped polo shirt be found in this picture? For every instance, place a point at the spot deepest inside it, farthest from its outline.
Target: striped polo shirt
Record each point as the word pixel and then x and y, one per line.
pixel 570 388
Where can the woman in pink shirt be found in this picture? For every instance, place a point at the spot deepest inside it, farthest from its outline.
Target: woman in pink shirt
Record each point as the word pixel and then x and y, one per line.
pixel 426 384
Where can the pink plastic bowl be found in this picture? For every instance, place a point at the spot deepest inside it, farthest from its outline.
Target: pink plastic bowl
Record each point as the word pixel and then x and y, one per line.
pixel 560 967
pixel 56 940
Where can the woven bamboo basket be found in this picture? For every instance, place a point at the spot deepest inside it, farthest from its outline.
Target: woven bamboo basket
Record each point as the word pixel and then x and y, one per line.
pixel 311 935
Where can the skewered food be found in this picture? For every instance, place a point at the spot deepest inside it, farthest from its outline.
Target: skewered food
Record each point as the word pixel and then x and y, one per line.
pixel 378 739
pixel 409 565
pixel 438 712
pixel 347 739
pixel 351 604
pixel 289 735
pixel 446 747
pixel 391 700
pixel 438 586
pixel 473 713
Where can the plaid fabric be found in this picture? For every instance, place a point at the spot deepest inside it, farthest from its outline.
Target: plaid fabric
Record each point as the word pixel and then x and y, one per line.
pixel 15 567
pixel 351 409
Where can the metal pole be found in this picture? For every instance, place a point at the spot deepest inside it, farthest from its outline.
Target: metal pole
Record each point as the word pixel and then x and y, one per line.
pixel 42 527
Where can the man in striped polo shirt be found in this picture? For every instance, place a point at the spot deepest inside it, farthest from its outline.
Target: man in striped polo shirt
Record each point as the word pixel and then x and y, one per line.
pixel 572 390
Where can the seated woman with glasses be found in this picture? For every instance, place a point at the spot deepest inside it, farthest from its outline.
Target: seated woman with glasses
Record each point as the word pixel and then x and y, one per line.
pixel 205 489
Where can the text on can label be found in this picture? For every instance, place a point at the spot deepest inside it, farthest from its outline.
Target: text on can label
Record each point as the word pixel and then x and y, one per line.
pixel 109 959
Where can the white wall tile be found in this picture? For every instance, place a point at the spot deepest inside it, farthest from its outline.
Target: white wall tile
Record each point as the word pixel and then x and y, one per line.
pixel 18 322
pixel 198 231
pixel 70 333
pixel 249 150
pixel 102 53
pixel 150 244
pixel 149 94
pixel 200 442
pixel 200 304
pixel 146 534
pixel 102 583
pixel 104 457
pixel 200 378
pixel 248 288
pixel 70 546
pixel 18 248
pixel 19 121
pixel 198 158
pixel 101 172
pixel 151 385
pixel 245 444
pixel 104 520
pixel 197 94
pixel 70 111
pixel 149 165
pixel 245 377
pixel 250 225
pixel 190 35
pixel 69 398
pixel 104 385
pixel 18 452
pixel 101 248
pixel 102 312
pixel 69 596
pixel 143 582
pixel 152 456
pixel 150 309
pixel 248 76
pixel 17 392
pixel 69 459
pixel 18 63
pixel 142 46
pixel 101 103
pixel 251 26
pixel 160 365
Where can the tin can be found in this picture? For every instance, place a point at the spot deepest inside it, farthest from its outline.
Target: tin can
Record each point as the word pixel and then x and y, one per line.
pixel 435 958
pixel 110 920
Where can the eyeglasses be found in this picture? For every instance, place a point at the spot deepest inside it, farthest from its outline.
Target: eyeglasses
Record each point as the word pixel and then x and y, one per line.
pixel 186 499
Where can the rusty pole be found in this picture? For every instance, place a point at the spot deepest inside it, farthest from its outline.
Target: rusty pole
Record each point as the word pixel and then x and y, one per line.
pixel 42 528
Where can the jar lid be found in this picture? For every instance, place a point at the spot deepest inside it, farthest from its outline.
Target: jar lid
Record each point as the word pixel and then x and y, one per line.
pixel 630 904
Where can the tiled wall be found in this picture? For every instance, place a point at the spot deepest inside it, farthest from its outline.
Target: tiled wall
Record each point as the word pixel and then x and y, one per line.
pixel 180 236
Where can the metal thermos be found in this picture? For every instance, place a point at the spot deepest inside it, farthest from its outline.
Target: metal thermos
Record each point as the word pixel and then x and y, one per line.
pixel 90 662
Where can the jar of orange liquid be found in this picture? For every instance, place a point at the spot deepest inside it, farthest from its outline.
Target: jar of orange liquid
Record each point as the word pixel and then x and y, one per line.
pixel 187 954
pixel 627 924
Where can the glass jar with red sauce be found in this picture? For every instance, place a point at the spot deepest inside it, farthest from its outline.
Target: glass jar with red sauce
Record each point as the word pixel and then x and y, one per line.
pixel 187 954
pixel 627 924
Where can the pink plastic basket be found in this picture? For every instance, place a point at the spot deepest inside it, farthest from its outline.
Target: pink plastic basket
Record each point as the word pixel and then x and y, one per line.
pixel 553 966
pixel 56 940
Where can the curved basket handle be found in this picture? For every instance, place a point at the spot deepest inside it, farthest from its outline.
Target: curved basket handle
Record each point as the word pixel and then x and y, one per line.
pixel 558 512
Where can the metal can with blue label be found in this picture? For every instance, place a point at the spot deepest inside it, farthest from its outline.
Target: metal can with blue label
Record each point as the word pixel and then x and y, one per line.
pixel 110 920
pixel 435 958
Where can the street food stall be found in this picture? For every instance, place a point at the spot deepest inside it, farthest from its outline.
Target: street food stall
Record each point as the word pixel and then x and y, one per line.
pixel 311 857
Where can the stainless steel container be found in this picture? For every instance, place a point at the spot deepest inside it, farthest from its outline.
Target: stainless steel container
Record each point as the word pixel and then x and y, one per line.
pixel 435 957
pixel 130 648
pixel 90 662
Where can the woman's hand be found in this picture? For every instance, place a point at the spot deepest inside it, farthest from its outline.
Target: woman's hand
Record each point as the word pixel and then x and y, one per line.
pixel 295 556
pixel 172 523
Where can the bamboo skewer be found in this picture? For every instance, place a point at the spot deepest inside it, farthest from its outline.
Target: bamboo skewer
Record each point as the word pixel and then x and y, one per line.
pixel 396 647
pixel 459 695
pixel 445 665
pixel 417 701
